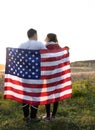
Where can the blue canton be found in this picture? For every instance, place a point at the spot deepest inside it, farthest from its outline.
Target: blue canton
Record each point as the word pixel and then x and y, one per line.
pixel 23 63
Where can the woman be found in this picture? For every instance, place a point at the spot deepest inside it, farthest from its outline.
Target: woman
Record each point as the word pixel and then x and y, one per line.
pixel 51 44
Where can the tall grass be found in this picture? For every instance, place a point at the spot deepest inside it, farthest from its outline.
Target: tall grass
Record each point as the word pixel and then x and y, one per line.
pixel 77 113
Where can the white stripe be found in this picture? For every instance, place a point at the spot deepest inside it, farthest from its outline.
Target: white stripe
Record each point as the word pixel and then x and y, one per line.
pixel 37 90
pixel 38 81
pixel 53 63
pixel 54 54
pixel 38 99
pixel 55 70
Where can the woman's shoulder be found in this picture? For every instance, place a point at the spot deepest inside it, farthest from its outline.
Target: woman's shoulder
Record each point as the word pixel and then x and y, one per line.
pixel 53 46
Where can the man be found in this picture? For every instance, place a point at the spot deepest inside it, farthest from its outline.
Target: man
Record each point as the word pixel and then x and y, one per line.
pixel 32 44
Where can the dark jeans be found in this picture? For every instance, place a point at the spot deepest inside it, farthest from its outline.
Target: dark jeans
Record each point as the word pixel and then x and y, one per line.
pixel 55 107
pixel 33 110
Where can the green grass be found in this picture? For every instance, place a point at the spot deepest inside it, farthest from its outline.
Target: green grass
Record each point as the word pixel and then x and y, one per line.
pixel 77 113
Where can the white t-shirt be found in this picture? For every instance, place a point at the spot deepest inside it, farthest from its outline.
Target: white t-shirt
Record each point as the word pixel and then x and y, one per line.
pixel 33 45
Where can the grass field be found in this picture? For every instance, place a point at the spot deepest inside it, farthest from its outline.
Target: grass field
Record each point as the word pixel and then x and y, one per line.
pixel 77 113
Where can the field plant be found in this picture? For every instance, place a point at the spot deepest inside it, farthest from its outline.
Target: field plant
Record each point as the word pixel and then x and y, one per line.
pixel 76 113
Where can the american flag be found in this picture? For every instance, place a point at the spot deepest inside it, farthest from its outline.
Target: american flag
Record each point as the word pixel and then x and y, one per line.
pixel 37 77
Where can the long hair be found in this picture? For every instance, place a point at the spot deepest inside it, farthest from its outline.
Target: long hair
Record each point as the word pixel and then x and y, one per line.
pixel 52 37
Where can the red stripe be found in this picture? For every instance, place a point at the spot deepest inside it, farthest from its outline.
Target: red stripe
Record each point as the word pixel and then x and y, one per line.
pixel 15 82
pixel 41 94
pixel 43 51
pixel 43 85
pixel 54 58
pixel 55 75
pixel 61 65
pixel 38 103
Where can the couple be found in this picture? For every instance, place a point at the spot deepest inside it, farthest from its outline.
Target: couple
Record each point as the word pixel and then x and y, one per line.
pixel 33 44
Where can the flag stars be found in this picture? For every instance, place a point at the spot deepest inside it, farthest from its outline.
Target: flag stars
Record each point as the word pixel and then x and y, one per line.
pixel 33 61
pixel 24 63
pixel 33 73
pixel 33 55
pixel 37 70
pixel 36 64
pixel 37 58
pixel 9 49
pixel 29 58
pixel 18 62
pixel 19 54
pixel 19 69
pixel 29 63
pixel 29 52
pixel 9 65
pixel 13 72
pixel 21 72
pixel 26 60
pixel 29 76
pixel 23 75
pixel 26 72
pixel 23 69
pixel 26 55
pixel 36 76
pixel 20 66
pixel 18 57
pixel 12 58
pixel 17 74
pixel 22 52
pixel 26 66
pixel 36 52
pixel 33 67
pixel 10 53
pixel 11 69
pixel 16 65
pixel 29 70
pixel 14 61
pixel 22 57
pixel 16 51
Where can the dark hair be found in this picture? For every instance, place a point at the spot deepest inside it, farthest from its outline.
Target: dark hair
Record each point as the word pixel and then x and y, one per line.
pixel 52 37
pixel 31 32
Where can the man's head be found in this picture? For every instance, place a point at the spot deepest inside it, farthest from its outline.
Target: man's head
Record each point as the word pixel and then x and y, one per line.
pixel 32 34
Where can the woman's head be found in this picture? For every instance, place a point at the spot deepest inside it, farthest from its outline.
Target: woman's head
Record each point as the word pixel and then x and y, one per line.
pixel 51 37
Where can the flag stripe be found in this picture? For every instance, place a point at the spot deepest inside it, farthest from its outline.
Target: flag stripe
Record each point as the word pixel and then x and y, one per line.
pixel 58 70
pixel 50 53
pixel 9 78
pixel 40 88
pixel 49 68
pixel 54 63
pixel 48 101
pixel 41 98
pixel 53 58
pixel 52 84
pixel 55 74
pixel 28 93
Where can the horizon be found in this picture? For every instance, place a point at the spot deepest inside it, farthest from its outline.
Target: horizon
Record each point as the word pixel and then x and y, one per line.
pixel 71 62
pixel 2 66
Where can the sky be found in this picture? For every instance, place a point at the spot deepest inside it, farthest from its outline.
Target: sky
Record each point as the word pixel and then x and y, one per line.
pixel 72 20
